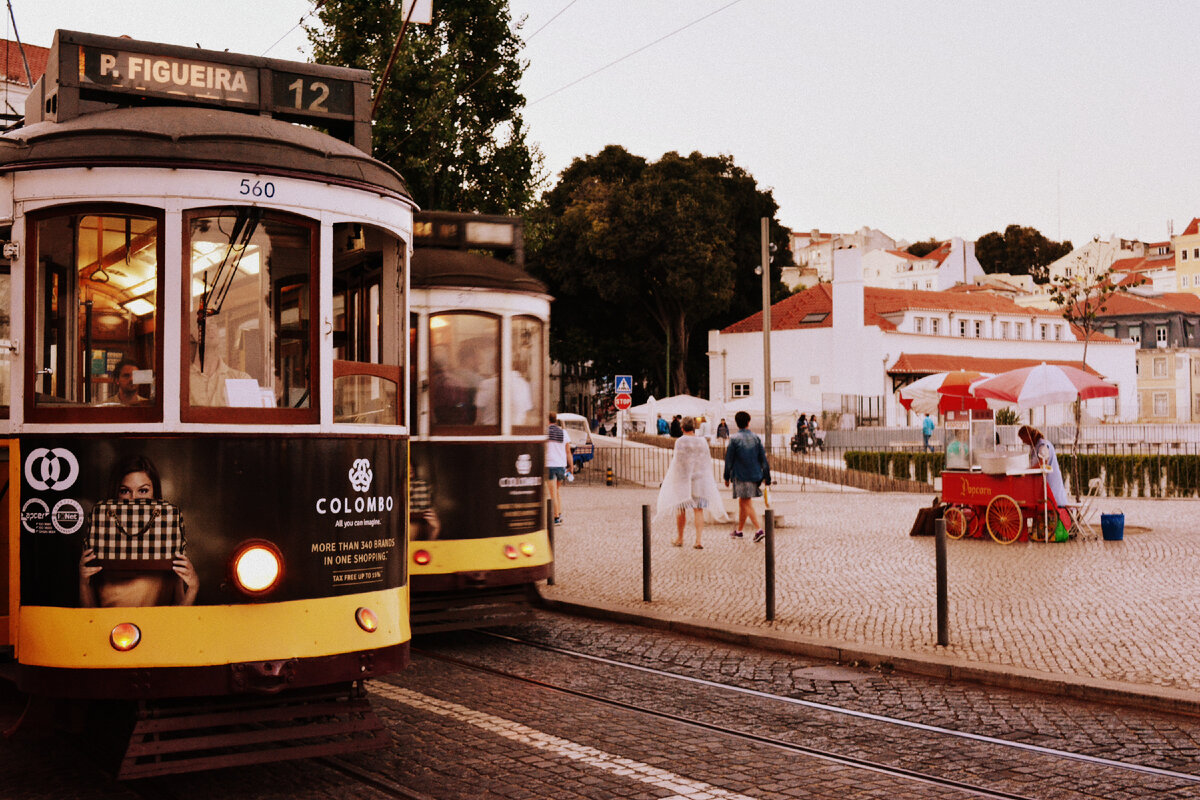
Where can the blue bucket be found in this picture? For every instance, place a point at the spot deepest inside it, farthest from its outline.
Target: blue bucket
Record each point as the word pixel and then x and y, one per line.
pixel 1112 527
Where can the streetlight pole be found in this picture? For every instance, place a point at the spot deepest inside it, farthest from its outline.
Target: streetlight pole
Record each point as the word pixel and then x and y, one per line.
pixel 766 303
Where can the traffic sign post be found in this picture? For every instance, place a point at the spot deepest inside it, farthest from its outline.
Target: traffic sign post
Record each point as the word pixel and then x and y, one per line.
pixel 623 384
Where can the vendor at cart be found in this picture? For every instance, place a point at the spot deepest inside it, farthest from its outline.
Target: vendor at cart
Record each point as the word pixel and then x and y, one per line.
pixel 1042 455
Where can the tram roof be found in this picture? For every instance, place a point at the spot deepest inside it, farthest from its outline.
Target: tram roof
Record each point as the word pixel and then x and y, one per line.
pixel 194 138
pixel 434 267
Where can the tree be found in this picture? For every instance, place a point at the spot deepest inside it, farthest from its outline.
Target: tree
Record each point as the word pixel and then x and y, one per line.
pixel 1083 298
pixel 449 121
pixel 1020 251
pixel 639 255
pixel 922 249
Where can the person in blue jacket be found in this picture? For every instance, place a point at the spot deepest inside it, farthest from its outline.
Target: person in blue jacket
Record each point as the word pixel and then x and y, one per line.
pixel 661 426
pixel 746 468
pixel 926 432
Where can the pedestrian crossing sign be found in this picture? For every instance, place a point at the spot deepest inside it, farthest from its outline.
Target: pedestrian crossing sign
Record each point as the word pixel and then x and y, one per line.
pixel 624 384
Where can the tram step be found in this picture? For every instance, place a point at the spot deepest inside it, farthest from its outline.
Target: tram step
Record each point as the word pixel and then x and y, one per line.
pixel 170 737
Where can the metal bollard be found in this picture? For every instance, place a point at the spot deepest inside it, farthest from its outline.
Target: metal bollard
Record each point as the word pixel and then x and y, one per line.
pixel 943 607
pixel 646 553
pixel 608 476
pixel 769 521
pixel 550 536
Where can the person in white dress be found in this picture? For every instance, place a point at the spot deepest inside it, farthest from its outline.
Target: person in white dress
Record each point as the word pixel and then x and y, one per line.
pixel 690 485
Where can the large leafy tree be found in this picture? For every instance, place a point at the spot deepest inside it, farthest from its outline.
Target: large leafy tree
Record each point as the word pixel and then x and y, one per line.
pixel 1020 251
pixel 641 255
pixel 449 120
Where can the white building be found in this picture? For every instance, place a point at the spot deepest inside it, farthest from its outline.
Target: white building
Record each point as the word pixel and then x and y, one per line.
pixel 815 249
pixel 953 262
pixel 15 82
pixel 834 343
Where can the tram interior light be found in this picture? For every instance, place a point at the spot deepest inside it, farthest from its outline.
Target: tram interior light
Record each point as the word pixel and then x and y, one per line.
pixel 138 306
pixel 257 567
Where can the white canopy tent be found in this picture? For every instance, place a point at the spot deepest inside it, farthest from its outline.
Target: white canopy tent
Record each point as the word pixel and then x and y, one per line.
pixel 682 404
pixel 785 410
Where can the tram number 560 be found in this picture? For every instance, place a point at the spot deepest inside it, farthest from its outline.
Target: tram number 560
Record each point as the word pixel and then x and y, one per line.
pixel 257 188
pixel 317 88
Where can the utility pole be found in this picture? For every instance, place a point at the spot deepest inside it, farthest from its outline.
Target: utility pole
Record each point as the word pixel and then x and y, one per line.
pixel 766 302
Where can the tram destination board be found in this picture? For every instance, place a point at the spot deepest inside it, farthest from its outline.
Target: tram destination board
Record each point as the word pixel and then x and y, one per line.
pixel 86 72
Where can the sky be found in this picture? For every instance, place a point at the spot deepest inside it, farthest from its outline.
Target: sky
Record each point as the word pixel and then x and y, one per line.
pixel 921 119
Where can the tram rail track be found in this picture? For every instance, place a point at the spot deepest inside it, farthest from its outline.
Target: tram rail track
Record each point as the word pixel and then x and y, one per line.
pixel 1146 769
pixel 902 773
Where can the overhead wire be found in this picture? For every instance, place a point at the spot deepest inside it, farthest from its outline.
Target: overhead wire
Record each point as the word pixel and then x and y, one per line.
pixel 632 53
pixel 316 7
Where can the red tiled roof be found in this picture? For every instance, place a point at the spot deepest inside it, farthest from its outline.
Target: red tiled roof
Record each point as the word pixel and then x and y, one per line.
pixel 1141 263
pixel 14 69
pixel 906 255
pixel 877 304
pixel 930 363
pixel 1133 279
pixel 1123 303
pixel 1096 336
pixel 1193 227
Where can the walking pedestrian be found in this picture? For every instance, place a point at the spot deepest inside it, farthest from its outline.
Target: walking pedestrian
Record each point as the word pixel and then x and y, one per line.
pixel 660 426
pixel 689 484
pixel 558 461
pixel 747 469
pixel 722 429
pixel 677 427
pixel 927 431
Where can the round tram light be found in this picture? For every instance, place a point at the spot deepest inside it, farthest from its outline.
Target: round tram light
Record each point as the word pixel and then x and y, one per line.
pixel 257 567
pixel 510 552
pixel 125 636
pixel 527 548
pixel 422 557
pixel 366 619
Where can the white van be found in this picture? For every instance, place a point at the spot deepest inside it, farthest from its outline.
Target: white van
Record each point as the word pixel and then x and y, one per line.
pixel 579 434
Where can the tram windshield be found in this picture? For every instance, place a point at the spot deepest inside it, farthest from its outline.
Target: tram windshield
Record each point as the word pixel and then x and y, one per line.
pixel 96 311
pixel 251 301
pixel 464 369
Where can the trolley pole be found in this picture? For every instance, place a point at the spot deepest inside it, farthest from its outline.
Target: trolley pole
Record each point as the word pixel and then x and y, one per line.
pixel 943 609
pixel 550 536
pixel 646 553
pixel 770 554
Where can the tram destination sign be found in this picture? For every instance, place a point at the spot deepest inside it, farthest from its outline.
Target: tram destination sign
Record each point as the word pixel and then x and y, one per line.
pixel 117 70
pixel 86 72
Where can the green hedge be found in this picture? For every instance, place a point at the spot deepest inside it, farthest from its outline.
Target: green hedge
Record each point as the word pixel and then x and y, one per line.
pixel 1122 475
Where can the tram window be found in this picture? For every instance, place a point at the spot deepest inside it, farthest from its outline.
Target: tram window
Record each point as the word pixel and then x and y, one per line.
pixel 527 376
pixel 368 273
pixel 249 338
pixel 95 325
pixel 5 330
pixel 464 365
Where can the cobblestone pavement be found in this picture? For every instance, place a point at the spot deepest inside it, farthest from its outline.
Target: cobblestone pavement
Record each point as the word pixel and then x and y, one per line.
pixel 1114 616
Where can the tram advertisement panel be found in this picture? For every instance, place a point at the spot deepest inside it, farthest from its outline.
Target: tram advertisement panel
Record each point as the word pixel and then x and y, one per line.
pixel 128 521
pixel 475 490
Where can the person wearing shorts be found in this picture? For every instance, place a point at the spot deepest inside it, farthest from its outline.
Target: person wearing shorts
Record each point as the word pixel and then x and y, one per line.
pixel 746 469
pixel 558 459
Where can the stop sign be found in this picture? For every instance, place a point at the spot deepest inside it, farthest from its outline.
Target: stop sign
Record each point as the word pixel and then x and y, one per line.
pixel 624 401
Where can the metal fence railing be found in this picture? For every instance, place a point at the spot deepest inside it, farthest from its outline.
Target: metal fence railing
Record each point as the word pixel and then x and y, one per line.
pixel 1119 468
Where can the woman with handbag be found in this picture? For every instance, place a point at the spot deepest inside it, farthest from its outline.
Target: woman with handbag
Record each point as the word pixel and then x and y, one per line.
pixel 134 487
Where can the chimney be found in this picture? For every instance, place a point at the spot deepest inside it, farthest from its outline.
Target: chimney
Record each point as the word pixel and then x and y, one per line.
pixel 847 294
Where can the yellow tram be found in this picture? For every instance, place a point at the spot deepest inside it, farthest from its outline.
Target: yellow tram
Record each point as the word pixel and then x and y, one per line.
pixel 478 335
pixel 202 391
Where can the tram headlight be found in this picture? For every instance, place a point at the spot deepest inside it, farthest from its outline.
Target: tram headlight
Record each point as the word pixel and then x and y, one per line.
pixel 257 567
pixel 527 548
pixel 125 636
pixel 422 557
pixel 366 619
pixel 510 552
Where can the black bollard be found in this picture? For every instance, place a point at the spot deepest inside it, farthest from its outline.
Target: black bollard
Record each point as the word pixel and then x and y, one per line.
pixel 550 536
pixel 769 521
pixel 646 553
pixel 608 476
pixel 943 608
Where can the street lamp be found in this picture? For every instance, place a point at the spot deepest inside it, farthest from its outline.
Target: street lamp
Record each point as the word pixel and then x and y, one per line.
pixel 765 271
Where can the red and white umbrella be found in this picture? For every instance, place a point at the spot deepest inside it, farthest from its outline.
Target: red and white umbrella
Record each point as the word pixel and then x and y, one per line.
pixel 1043 385
pixel 942 392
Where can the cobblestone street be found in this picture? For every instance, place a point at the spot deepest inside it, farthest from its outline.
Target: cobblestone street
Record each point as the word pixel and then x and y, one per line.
pixel 1116 616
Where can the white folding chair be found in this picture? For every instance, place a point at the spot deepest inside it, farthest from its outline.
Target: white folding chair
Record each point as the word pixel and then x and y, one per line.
pixel 1083 511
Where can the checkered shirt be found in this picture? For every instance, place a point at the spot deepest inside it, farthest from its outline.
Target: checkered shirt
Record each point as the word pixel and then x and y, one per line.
pixel 136 530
